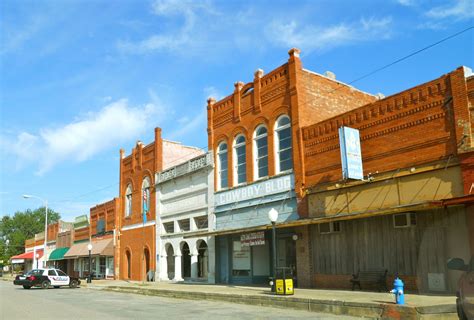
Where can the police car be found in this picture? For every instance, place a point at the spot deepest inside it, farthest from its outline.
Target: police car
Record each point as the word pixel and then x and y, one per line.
pixel 46 278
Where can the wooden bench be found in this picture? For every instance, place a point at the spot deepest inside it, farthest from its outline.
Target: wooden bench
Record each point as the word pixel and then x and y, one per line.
pixel 375 276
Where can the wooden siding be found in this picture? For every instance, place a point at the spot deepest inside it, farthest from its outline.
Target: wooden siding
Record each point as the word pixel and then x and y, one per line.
pixel 375 243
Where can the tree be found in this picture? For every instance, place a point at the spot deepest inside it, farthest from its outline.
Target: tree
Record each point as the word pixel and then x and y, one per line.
pixel 21 226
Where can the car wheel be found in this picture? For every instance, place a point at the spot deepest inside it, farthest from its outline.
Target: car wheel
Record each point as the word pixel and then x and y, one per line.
pixel 45 284
pixel 26 287
pixel 73 284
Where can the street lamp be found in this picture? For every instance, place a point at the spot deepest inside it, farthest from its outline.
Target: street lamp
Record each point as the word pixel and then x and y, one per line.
pixel 37 259
pixel 89 247
pixel 273 216
pixel 45 203
pixel 7 242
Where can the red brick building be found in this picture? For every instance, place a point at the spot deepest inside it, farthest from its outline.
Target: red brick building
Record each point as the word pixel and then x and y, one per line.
pixel 103 222
pixel 302 95
pixel 136 238
pixel 409 213
pixel 255 135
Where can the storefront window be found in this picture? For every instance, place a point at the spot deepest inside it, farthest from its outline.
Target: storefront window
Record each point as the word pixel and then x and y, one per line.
pixel 240 260
pixel 110 266
pixel 85 265
pixel 102 265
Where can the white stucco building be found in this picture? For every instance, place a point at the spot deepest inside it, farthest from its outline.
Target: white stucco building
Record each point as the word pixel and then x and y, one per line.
pixel 184 197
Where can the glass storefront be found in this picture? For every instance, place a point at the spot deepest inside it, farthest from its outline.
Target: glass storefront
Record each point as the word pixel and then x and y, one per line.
pixel 251 263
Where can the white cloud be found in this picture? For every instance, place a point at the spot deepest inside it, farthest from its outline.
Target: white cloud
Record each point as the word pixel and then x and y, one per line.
pixel 459 9
pixel 15 38
pixel 187 126
pixel 407 3
pixel 311 37
pixel 173 40
pixel 211 91
pixel 83 138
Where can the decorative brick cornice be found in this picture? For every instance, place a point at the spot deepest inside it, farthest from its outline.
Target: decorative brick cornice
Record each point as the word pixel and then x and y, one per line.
pixel 275 93
pixel 382 155
pixel 333 125
pixel 411 98
pixel 377 134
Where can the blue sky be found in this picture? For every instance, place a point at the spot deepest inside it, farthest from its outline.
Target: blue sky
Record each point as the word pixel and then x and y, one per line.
pixel 81 79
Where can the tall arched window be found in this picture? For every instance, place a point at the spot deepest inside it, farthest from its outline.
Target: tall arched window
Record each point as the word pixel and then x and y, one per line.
pixel 128 201
pixel 146 195
pixel 222 167
pixel 240 163
pixel 283 157
pixel 260 153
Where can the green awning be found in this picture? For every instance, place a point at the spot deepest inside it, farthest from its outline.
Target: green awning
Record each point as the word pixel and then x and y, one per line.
pixel 58 254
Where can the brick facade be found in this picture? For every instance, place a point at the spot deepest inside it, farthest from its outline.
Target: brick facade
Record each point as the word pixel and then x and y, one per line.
pixel 422 126
pixel 304 257
pixel 304 96
pixel 413 127
pixel 137 244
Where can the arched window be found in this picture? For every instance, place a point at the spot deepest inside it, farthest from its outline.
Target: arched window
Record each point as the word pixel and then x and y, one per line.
pixel 128 201
pixel 283 157
pixel 240 163
pixel 222 167
pixel 146 195
pixel 260 153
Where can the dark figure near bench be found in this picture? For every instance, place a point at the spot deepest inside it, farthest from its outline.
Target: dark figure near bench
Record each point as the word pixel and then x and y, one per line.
pixel 376 277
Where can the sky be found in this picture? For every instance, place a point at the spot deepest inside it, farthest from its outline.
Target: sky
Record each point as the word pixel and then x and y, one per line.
pixel 81 79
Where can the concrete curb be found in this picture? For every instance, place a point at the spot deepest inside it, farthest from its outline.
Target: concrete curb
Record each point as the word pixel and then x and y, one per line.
pixel 357 309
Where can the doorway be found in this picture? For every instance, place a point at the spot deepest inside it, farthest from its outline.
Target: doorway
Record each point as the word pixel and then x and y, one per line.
pixel 186 261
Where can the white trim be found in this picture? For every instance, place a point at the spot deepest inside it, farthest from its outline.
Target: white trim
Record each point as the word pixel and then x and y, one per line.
pixel 128 203
pixel 255 151
pixel 146 184
pixel 276 142
pixel 18 261
pixel 218 166
pixel 235 160
pixel 138 225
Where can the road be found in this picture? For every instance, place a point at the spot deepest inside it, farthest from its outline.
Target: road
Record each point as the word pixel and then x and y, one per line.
pixel 82 303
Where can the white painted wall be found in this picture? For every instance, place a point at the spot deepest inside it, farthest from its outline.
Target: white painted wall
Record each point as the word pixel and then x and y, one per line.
pixel 187 196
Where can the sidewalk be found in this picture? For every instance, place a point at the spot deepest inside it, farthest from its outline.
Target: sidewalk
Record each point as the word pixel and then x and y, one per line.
pixel 372 305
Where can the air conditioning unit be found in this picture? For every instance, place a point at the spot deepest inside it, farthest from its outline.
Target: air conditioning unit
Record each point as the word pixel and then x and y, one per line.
pixel 436 282
pixel 330 227
pixel 404 220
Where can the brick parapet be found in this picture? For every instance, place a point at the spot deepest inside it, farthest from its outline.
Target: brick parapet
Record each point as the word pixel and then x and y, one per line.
pixel 411 127
pixel 284 90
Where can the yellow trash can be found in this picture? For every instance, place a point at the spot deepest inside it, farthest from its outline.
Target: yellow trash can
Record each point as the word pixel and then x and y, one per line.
pixel 284 287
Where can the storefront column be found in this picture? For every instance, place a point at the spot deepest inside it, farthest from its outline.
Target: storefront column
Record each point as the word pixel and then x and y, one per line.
pixel 211 262
pixel 205 264
pixel 304 257
pixel 194 266
pixel 177 268
pixel 164 268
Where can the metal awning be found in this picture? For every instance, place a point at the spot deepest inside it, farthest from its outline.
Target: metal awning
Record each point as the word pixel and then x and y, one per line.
pixel 58 254
pixel 338 217
pixel 426 205
pixel 104 247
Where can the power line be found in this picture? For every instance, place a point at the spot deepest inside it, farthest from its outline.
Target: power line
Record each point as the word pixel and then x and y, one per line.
pixel 407 56
pixel 199 149
pixel 349 83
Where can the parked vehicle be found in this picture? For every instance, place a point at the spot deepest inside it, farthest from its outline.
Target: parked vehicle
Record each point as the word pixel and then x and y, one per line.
pixel 465 293
pixel 46 278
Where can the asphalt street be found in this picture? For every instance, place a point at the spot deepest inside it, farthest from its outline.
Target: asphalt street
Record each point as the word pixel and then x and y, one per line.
pixel 82 303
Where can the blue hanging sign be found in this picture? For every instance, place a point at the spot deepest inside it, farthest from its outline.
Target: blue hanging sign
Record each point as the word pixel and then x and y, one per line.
pixel 351 156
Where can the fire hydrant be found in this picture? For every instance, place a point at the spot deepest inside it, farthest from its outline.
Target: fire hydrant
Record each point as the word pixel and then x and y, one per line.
pixel 398 291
